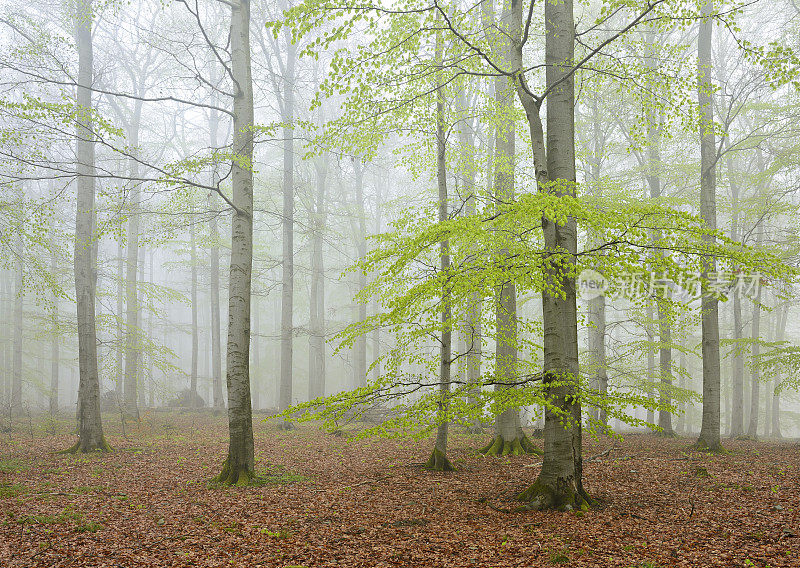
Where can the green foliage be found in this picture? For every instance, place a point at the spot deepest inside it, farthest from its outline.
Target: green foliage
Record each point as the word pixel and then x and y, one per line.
pixel 408 285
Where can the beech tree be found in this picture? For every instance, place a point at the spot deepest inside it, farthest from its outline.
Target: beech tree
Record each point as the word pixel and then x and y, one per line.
pixel 240 463
pixel 90 425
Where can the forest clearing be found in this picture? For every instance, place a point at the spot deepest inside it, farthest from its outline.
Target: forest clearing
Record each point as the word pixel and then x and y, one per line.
pixel 326 501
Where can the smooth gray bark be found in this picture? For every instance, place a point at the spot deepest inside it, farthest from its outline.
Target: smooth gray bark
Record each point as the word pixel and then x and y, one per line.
pixel 216 339
pixel 438 460
pixel 317 362
pixel 737 363
pixel 755 375
pixel 596 309
pixel 776 395
pixel 239 465
pixel 195 310
pixel 18 324
pixel 710 427
pixel 559 484
pixel 55 339
pixel 360 346
pixel 287 280
pixel 90 426
pixel 132 334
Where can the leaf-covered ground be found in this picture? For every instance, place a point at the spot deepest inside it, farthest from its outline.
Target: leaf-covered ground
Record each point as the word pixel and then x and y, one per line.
pixel 327 501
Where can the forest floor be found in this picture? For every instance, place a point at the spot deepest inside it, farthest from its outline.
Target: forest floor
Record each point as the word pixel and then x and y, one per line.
pixel 328 501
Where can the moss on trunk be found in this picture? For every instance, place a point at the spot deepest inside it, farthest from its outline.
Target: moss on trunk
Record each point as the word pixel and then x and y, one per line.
pixel 234 475
pixel 89 446
pixel 702 446
pixel 561 494
pixel 438 461
pixel 519 446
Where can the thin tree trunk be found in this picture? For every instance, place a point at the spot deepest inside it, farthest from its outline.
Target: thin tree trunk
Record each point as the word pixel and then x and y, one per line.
pixel 651 359
pixel 509 437
pixel 55 340
pixel 239 465
pixel 216 339
pixel 255 350
pixel 151 367
pixel 287 293
pixel 90 426
pixel 19 304
pixel 317 361
pixel 755 376
pixel 132 335
pixel 360 347
pixel 438 460
pixel 472 330
pixel 376 333
pixel 710 428
pixel 120 370
pixel 597 306
pixel 776 395
pixel 140 334
pixel 737 363
pixel 195 308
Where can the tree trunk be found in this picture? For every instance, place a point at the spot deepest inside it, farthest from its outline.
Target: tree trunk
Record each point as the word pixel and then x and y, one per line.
pixel 255 386
pixel 472 329
pixel 195 309
pixel 710 428
pixel 509 437
pixel 560 481
pixel 151 367
pixel 438 460
pixel 651 359
pixel 55 340
pixel 755 376
pixel 737 364
pixel 216 340
pixel 120 370
pixel 239 465
pixel 19 304
pixel 360 347
pixel 776 395
pixel 141 377
pixel 90 426
pixel 317 371
pixel 376 333
pixel 597 306
pixel 287 293
pixel 132 335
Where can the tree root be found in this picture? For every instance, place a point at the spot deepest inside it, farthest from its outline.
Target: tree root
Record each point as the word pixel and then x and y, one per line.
pixel 234 475
pixel 438 462
pixel 702 446
pixel 560 494
pixel 78 448
pixel 516 447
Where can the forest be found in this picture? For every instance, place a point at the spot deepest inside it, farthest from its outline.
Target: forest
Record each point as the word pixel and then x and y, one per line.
pixel 409 283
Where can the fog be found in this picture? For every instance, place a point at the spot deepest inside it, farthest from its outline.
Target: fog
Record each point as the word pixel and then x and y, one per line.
pixel 345 139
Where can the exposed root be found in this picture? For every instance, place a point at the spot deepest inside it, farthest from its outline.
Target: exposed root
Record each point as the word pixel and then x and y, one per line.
pixel 438 462
pixel 560 494
pixel 234 475
pixel 79 448
pixel 702 446
pixel 516 447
